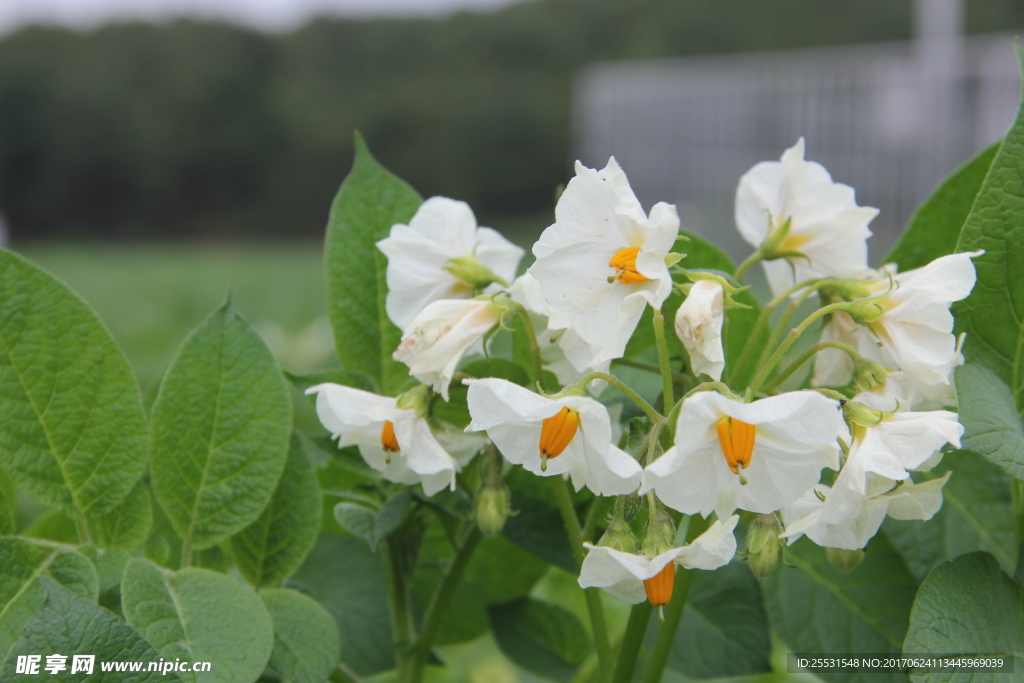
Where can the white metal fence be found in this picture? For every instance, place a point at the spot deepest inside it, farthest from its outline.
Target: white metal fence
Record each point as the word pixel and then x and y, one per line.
pixel 889 119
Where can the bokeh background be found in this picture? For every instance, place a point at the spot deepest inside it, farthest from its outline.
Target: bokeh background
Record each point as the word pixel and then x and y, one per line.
pixel 157 154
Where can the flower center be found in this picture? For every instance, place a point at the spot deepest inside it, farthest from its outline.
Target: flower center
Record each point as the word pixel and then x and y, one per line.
pixel 388 440
pixel 624 263
pixel 555 434
pixel 659 588
pixel 737 441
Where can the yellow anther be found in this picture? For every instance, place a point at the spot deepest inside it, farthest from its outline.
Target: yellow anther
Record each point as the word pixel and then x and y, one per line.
pixel 556 432
pixel 737 441
pixel 388 440
pixel 624 263
pixel 659 588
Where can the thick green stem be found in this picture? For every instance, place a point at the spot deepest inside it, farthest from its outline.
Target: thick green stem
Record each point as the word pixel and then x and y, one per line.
pixel 402 632
pixel 794 334
pixel 636 629
pixel 674 611
pixel 663 361
pixel 593 595
pixel 625 389
pixel 751 260
pixel 439 603
pixel 531 335
pixel 805 356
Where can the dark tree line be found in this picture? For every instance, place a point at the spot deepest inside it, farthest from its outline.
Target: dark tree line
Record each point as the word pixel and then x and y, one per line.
pixel 205 130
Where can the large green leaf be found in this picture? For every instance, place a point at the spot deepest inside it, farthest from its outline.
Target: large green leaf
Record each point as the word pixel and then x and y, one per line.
pixel 537 527
pixel 993 315
pixel 370 201
pixel 935 227
pixel 498 572
pixel 724 631
pixel 347 579
pixel 73 431
pixel 127 526
pixel 991 425
pixel 68 625
pixel 199 616
pixel 817 609
pixel 275 545
pixel 22 565
pixel 976 514
pixel 542 638
pixel 220 430
pixel 306 643
pixel 968 606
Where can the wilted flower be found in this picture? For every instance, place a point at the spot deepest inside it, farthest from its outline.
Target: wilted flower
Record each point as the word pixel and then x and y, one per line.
pixel 442 254
pixel 805 225
pixel 438 338
pixel 754 456
pixel 603 260
pixel 393 440
pixel 630 577
pixel 699 326
pixel 547 436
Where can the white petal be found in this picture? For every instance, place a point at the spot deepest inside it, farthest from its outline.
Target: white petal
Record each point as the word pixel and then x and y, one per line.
pixel 713 549
pixel 698 325
pixel 616 572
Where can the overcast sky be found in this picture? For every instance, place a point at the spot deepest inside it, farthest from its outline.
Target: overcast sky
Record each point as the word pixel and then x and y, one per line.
pixel 266 14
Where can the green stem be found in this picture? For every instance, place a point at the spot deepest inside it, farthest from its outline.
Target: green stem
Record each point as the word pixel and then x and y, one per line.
pixel 663 360
pixel 751 260
pixel 674 611
pixel 531 335
pixel 439 603
pixel 597 507
pixel 792 337
pixel 398 605
pixel 83 531
pixel 186 552
pixel 1017 495
pixel 636 629
pixel 805 356
pixel 593 595
pixel 625 389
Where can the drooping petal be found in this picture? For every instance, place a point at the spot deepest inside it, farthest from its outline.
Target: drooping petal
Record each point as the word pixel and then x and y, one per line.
pixel 699 322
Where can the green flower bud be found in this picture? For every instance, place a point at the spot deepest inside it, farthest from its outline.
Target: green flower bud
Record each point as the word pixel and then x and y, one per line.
pixel 631 505
pixel 856 413
pixel 764 547
pixel 844 560
pixel 619 535
pixel 492 506
pixel 869 375
pixel 864 312
pixel 470 270
pixel 415 399
pixel 771 247
pixel 849 290
pixel 660 533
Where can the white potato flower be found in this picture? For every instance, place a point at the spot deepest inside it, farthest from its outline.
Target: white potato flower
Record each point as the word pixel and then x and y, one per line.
pixel 753 456
pixel 633 578
pixel 819 229
pixel 441 335
pixel 699 323
pixel 392 440
pixel 569 435
pixel 912 324
pixel 442 254
pixel 603 259
pixel 900 500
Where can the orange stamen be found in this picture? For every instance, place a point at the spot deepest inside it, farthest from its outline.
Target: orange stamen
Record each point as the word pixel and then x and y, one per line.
pixel 557 431
pixel 737 441
pixel 388 440
pixel 624 263
pixel 659 588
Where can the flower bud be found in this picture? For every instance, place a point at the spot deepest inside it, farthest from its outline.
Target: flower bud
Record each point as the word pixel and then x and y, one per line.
pixel 771 247
pixel 471 271
pixel 660 533
pixel 619 535
pixel 864 312
pixel 844 560
pixel 631 505
pixel 415 400
pixel 857 413
pixel 848 290
pixel 869 375
pixel 492 506
pixel 764 548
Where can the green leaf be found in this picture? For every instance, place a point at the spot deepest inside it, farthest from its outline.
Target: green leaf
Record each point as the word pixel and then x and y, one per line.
pixel 540 637
pixel 66 624
pixel 306 642
pixel 370 525
pixel 993 315
pixel 817 608
pixel 23 564
pixel 976 514
pixel 73 431
pixel 370 201
pixel 127 526
pixel 8 505
pixel 935 227
pixel 498 572
pixel 968 606
pixel 275 545
pixel 538 527
pixel 199 616
pixel 991 425
pixel 333 376
pixel 220 430
pixel 724 631
pixel 109 565
pixel 348 580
